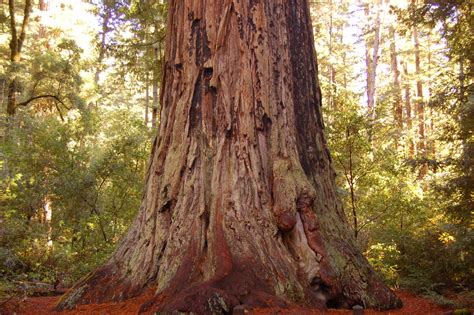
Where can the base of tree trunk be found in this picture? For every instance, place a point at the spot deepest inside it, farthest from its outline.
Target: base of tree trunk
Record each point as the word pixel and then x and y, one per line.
pixel 241 287
pixel 240 281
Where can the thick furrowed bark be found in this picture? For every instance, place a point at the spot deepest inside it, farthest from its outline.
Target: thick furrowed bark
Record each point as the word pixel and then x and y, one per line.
pixel 240 205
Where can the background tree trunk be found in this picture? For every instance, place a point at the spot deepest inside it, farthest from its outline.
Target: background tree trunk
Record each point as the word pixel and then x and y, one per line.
pixel 332 72
pixel 431 142
pixel 103 41
pixel 240 204
pixel 397 102
pixel 420 106
pixel 16 45
pixel 371 61
pixel 147 98
pixel 409 124
pixel 156 70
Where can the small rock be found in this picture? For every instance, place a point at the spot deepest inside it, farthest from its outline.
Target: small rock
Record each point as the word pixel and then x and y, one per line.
pixel 357 310
pixel 239 310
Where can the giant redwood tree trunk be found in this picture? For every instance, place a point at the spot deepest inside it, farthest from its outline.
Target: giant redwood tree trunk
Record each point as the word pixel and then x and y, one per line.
pixel 240 204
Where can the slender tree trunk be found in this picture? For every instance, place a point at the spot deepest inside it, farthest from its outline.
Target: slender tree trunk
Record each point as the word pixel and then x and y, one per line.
pixel 409 123
pixel 3 88
pixel 48 215
pixel 397 88
pixel 344 61
pixel 431 136
pixel 371 60
pixel 16 45
pixel 332 71
pixel 102 46
pixel 11 98
pixel 240 204
pixel 154 110
pixel 420 107
pixel 15 57
pixel 156 69
pixel 147 98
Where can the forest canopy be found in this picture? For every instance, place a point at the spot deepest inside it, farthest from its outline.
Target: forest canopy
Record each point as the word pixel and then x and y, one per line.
pixel 80 85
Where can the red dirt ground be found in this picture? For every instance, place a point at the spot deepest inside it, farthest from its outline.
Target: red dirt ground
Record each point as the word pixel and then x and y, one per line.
pixel 413 305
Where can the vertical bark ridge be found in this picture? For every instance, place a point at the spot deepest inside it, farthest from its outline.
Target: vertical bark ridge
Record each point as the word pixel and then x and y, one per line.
pixel 240 203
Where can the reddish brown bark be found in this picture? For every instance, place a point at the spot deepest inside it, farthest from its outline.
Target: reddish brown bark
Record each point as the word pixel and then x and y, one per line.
pixel 240 203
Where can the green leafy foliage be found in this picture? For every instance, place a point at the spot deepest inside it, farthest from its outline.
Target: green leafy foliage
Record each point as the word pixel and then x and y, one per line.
pixel 90 173
pixel 415 229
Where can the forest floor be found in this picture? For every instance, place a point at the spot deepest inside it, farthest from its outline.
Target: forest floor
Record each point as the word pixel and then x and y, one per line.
pixel 412 304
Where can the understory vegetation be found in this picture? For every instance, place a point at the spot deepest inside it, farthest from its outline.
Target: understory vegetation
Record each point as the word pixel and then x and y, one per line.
pixel 80 110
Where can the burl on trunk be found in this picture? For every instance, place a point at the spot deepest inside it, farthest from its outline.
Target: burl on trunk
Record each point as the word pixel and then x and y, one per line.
pixel 240 203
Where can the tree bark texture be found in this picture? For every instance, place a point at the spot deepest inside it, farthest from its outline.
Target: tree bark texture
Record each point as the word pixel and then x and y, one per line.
pixel 240 203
